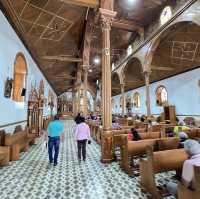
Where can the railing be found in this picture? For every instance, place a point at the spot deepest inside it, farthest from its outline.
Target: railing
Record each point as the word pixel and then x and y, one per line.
pixel 12 124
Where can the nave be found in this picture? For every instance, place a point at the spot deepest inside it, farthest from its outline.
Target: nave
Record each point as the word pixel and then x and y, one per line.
pixel 32 177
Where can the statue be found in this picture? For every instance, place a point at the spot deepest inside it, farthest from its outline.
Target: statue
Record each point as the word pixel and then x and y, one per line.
pixel 8 88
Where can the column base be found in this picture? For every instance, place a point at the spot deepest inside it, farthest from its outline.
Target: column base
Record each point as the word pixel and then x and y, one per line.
pixel 107 147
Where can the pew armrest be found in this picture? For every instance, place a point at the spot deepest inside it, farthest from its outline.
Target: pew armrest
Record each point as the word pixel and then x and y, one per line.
pixel 184 192
pixel 5 149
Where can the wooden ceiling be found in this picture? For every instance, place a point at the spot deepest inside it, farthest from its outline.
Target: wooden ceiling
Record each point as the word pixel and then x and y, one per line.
pixel 178 51
pixel 53 31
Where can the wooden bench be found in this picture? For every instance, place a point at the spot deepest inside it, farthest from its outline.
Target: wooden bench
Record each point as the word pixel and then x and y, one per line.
pixel 157 162
pixel 4 155
pixel 185 193
pixel 18 142
pixel 131 149
pixel 193 133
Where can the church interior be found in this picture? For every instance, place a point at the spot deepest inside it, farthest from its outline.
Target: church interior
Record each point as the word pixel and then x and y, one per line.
pixel 110 88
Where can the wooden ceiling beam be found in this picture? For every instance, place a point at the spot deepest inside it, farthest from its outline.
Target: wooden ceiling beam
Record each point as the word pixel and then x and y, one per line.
pixel 127 26
pixel 85 3
pixel 162 68
pixel 63 58
pixel 157 2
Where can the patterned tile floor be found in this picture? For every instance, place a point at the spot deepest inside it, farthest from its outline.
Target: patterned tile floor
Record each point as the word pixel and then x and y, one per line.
pixel 33 178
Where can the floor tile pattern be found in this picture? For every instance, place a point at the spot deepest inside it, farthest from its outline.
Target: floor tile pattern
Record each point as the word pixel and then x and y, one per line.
pixel 33 178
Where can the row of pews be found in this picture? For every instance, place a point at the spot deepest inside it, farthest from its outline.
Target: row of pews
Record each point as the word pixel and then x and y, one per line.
pixel 156 153
pixel 11 145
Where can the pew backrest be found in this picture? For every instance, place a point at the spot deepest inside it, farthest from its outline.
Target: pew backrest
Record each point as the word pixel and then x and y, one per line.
pixel 16 138
pixel 166 160
pixel 168 143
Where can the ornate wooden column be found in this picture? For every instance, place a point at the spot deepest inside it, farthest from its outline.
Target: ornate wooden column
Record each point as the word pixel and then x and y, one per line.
pixel 148 99
pixel 123 99
pixel 106 16
pixel 78 87
pixel 85 82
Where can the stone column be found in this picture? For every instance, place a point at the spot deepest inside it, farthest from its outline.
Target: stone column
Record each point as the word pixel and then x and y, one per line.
pixel 107 139
pixel 148 99
pixel 123 99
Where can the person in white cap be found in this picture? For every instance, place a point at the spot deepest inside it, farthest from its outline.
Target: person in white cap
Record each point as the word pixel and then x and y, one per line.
pixel 193 149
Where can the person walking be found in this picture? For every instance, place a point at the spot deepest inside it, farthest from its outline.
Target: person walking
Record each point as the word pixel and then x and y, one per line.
pixel 77 119
pixel 82 135
pixel 55 132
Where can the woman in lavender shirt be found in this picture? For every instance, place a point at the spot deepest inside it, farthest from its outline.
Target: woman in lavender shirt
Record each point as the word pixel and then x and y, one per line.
pixel 82 134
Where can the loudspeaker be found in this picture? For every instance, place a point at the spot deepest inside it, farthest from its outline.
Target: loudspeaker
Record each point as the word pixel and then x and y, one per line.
pixel 23 92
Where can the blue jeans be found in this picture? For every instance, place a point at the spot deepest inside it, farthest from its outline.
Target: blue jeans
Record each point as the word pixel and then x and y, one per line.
pixel 53 143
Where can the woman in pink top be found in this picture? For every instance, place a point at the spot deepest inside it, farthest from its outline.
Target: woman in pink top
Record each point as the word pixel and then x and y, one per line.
pixel 82 134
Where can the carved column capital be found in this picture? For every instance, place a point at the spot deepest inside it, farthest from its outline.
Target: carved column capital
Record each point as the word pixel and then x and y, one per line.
pixel 147 72
pixel 122 87
pixel 106 18
pixel 86 68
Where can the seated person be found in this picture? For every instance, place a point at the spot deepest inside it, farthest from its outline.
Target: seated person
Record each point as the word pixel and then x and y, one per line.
pixel 115 125
pixel 183 137
pixel 134 135
pixel 193 149
pixel 178 129
pixel 158 119
pixel 143 118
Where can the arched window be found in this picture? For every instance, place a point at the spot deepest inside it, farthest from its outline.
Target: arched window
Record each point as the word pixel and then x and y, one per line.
pixel 165 15
pixel 128 104
pixel 136 100
pixel 129 50
pixel 20 74
pixel 161 96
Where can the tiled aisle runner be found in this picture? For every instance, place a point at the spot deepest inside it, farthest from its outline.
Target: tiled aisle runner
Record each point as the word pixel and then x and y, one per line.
pixel 32 178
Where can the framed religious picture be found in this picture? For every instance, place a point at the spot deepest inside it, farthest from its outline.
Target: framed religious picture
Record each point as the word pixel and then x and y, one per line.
pixel 8 88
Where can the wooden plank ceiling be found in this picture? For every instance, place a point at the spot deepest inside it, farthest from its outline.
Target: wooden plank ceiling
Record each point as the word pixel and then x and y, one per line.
pixel 53 31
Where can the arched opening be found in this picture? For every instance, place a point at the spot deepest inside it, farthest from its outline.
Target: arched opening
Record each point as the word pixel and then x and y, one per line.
pixel 19 82
pixel 136 100
pixel 116 90
pixel 128 104
pixel 133 77
pixel 121 101
pixel 161 96
pixel 165 15
pixel 177 50
pixel 90 102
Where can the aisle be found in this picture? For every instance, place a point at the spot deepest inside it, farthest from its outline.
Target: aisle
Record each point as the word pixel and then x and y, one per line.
pixel 32 178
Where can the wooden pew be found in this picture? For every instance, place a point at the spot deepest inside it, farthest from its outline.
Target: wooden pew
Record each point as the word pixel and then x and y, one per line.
pixel 131 149
pixel 157 162
pixel 193 133
pixel 185 193
pixel 18 142
pixel 4 155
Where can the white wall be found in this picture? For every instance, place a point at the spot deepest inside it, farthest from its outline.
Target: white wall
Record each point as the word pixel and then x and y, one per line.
pixel 10 45
pixel 183 92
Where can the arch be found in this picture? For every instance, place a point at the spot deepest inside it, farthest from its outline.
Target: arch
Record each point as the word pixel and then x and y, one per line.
pixel 176 50
pixel 90 100
pixel 20 78
pixel 116 89
pixel 136 100
pixel 132 72
pixel 128 104
pixel 161 96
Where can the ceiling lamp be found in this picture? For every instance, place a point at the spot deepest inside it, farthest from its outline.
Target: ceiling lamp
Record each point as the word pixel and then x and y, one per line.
pixel 129 4
pixel 97 61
